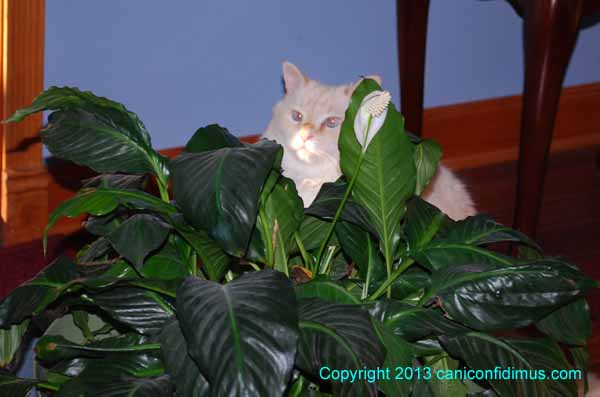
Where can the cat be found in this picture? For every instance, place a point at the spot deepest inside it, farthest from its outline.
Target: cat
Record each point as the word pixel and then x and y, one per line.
pixel 306 122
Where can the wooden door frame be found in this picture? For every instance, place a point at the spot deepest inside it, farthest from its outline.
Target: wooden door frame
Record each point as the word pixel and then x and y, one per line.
pixel 23 185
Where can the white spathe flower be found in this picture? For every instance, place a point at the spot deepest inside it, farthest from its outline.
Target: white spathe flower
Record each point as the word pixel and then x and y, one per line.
pixel 374 106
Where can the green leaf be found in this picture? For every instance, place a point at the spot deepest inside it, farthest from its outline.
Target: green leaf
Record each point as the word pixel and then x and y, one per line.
pixel 54 348
pixel 141 310
pixel 98 384
pixel 103 201
pixel 484 352
pixel 427 157
pixel 485 297
pixel 215 261
pixel 211 137
pixel 280 216
pixel 218 191
pixel 325 290
pixel 94 131
pixel 11 386
pixel 423 221
pixel 386 179
pixel 440 255
pixel 411 282
pixel 166 264
pixel 581 360
pixel 312 231
pixel 183 371
pixel 117 181
pixel 360 246
pixel 252 327
pixel 10 340
pixel 139 235
pixel 570 324
pixel 399 353
pixel 546 355
pixel 328 200
pixel 339 337
pixel 413 323
pixel 481 229
pixel 32 297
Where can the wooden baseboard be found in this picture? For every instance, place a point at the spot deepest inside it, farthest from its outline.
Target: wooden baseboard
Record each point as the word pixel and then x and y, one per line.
pixel 479 133
pixel 472 134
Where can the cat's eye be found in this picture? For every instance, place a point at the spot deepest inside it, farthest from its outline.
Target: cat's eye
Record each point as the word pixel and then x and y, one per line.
pixel 296 116
pixel 331 122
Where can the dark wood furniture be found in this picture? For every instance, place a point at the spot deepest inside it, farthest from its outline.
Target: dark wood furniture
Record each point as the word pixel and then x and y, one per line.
pixel 550 33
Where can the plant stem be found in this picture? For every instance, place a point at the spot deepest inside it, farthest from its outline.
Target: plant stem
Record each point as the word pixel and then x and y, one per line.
pixel 163 188
pixel 387 284
pixel 47 386
pixel 340 208
pixel 367 284
pixel 303 253
pixel 265 233
pixel 326 265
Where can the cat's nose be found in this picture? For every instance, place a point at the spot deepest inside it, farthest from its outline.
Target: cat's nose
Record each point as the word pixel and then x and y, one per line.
pixel 305 132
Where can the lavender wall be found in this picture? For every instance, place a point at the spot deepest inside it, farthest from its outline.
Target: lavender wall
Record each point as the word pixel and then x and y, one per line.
pixel 197 62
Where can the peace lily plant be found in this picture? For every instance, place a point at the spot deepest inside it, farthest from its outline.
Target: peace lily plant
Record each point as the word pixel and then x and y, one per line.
pixel 225 285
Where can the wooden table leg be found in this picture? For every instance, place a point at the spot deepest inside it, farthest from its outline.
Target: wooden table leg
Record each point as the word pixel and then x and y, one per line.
pixel 550 33
pixel 412 36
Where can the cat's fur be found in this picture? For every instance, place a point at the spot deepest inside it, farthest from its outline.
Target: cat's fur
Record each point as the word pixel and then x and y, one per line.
pixel 311 154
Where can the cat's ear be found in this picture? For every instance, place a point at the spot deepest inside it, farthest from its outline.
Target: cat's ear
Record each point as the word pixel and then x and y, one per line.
pixel 351 87
pixel 293 77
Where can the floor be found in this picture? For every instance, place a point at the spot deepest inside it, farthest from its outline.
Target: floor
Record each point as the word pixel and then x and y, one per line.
pixel 569 223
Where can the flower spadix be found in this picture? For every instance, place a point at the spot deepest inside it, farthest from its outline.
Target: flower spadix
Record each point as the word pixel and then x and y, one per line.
pixel 371 116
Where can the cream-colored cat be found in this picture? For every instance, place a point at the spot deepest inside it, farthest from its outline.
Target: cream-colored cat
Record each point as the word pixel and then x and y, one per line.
pixel 306 122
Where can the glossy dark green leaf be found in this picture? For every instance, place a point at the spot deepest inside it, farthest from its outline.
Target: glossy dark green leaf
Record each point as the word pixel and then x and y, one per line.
pixel 139 235
pixel 10 340
pixel 485 352
pixel 413 323
pixel 94 131
pixel 360 246
pixel 427 157
pixel 280 216
pixel 32 297
pixel 55 348
pixel 386 179
pixel 103 276
pixel 249 324
pixel 423 220
pixel 11 386
pixel 218 191
pixel 399 353
pixel 183 371
pixel 312 231
pixel 166 264
pixel 141 310
pixel 486 297
pixel 481 229
pixel 546 355
pixel 103 201
pixel 341 337
pixel 215 261
pixel 116 181
pixel 410 283
pixel 329 199
pixel 97 384
pixel 103 224
pixel 326 290
pixel 581 361
pixel 440 255
pixel 211 137
pixel 570 324
pixel 435 387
